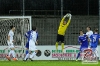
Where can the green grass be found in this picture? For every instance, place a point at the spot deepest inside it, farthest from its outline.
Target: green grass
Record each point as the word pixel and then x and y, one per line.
pixel 45 63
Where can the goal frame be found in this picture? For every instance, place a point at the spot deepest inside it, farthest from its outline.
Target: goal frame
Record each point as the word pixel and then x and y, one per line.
pixel 30 19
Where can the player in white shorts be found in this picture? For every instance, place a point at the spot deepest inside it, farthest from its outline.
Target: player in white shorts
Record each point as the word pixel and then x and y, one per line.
pixel 32 47
pixel 89 33
pixel 10 42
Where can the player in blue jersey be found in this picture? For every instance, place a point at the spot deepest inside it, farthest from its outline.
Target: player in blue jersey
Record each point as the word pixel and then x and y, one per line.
pixel 95 38
pixel 28 37
pixel 83 41
pixel 32 45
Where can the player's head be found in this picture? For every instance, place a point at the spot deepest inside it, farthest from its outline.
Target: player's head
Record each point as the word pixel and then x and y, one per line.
pixel 81 32
pixel 34 28
pixel 96 31
pixel 64 22
pixel 12 27
pixel 88 28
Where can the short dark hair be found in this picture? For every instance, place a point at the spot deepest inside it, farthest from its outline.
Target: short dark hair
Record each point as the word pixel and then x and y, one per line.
pixel 81 30
pixel 96 30
pixel 33 28
pixel 89 27
pixel 12 26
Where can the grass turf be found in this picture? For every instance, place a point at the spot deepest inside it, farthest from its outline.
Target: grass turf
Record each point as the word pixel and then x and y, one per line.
pixel 45 63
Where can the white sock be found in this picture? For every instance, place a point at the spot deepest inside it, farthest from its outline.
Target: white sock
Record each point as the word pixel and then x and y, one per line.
pixel 96 51
pixel 26 56
pixel 32 55
pixel 13 53
pixel 10 53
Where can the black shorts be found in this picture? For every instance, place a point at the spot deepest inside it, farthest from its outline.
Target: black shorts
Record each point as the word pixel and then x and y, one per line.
pixel 60 38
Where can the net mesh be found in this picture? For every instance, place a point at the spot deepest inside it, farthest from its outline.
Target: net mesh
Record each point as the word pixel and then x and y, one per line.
pixel 22 25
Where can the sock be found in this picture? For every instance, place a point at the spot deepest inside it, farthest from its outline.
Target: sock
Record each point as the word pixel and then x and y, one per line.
pixel 78 55
pixel 33 54
pixel 56 45
pixel 96 52
pixel 26 52
pixel 26 56
pixel 13 53
pixel 10 53
pixel 62 45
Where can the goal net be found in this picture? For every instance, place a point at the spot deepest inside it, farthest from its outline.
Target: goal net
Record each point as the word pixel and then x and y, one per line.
pixel 22 25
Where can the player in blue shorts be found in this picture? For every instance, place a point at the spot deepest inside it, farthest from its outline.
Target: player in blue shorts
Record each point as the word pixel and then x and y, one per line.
pixel 95 38
pixel 28 37
pixel 83 41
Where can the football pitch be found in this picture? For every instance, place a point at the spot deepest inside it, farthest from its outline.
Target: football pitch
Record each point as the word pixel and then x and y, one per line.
pixel 45 63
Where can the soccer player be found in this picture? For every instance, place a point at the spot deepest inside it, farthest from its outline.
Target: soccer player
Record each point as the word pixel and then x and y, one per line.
pixel 32 47
pixel 27 35
pixel 89 33
pixel 95 38
pixel 10 42
pixel 62 29
pixel 83 41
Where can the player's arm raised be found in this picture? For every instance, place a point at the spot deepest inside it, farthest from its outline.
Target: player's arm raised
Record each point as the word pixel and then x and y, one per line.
pixel 63 19
pixel 69 20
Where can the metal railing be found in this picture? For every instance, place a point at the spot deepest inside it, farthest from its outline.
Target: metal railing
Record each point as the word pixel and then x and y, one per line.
pixel 37 12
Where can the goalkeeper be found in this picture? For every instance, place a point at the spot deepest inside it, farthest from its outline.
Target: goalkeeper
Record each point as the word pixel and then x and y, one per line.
pixel 62 29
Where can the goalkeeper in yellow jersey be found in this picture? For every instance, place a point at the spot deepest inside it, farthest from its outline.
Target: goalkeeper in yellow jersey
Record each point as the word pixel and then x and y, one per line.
pixel 62 29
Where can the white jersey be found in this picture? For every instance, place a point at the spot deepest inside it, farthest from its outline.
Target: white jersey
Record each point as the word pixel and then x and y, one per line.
pixel 32 41
pixel 11 34
pixel 10 43
pixel 89 33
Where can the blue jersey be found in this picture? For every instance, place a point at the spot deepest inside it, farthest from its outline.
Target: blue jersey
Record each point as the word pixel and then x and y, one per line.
pixel 83 41
pixel 28 34
pixel 94 40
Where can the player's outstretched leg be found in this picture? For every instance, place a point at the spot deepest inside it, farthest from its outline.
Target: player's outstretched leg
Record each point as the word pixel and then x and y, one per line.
pixel 26 57
pixel 62 45
pixel 26 51
pixel 13 54
pixel 33 54
pixel 56 45
pixel 8 57
pixel 78 56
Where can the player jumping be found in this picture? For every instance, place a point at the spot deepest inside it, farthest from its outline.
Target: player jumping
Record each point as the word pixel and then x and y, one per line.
pixel 62 29
pixel 83 41
pixel 10 42
pixel 32 47
pixel 95 38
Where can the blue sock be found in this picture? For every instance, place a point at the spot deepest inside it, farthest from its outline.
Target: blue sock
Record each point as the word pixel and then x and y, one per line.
pixel 78 55
pixel 26 52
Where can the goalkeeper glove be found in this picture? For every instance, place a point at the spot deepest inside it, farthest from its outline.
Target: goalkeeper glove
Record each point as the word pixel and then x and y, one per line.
pixel 66 16
pixel 70 16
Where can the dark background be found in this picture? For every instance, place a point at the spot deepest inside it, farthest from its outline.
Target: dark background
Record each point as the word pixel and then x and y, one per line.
pixel 77 7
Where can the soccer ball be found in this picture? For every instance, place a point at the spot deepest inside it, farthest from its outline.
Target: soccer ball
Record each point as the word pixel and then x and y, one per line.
pixel 14 59
pixel 68 15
